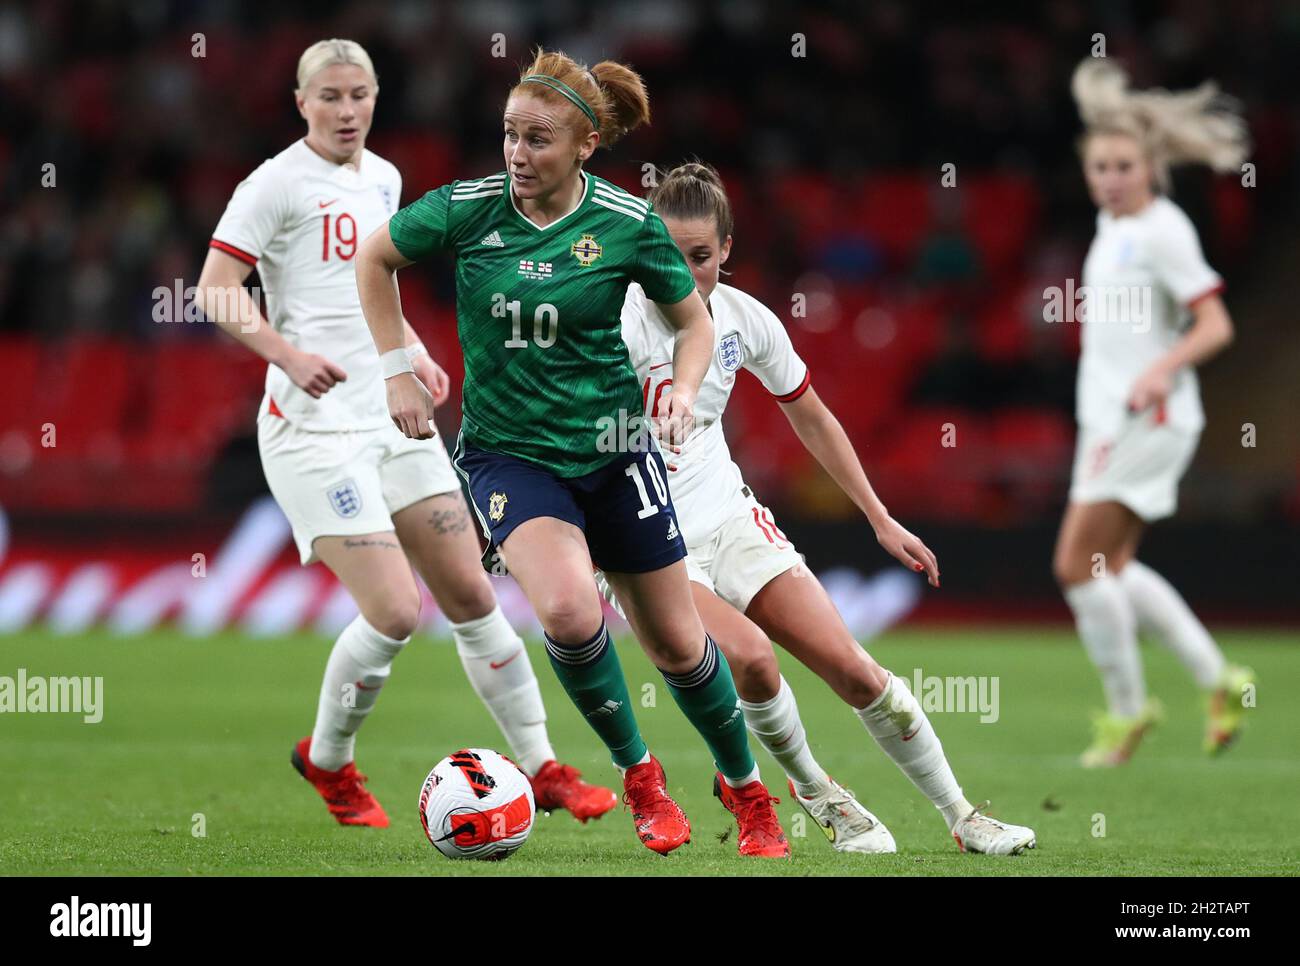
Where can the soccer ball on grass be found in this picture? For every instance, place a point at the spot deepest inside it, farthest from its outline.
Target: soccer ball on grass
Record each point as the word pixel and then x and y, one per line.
pixel 477 804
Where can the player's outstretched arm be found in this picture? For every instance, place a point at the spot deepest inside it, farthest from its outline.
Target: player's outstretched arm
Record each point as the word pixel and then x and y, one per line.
pixel 692 352
pixel 228 304
pixel 824 437
pixel 1210 333
pixel 410 404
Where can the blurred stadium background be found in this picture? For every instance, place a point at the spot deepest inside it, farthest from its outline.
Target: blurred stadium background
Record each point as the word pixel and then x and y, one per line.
pixel 924 303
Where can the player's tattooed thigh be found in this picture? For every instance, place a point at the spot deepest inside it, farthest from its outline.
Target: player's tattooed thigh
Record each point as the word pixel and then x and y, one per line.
pixel 448 514
pixel 352 543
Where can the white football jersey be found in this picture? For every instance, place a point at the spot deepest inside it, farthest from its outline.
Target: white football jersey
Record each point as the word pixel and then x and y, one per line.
pixel 300 220
pixel 1141 275
pixel 749 336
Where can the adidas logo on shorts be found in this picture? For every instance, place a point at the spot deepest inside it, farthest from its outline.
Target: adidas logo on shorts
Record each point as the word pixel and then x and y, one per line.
pixel 672 529
pixel 493 240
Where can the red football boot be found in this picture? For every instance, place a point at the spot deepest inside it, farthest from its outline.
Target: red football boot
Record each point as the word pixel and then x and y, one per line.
pixel 661 824
pixel 348 801
pixel 760 829
pixel 561 786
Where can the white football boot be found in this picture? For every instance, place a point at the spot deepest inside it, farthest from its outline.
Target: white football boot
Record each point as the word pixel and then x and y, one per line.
pixel 847 823
pixel 979 833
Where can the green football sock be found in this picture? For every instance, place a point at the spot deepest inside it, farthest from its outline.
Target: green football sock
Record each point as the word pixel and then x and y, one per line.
pixel 592 677
pixel 707 696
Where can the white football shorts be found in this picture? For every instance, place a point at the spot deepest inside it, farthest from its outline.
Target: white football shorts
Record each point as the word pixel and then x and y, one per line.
pixel 739 558
pixel 348 483
pixel 1139 466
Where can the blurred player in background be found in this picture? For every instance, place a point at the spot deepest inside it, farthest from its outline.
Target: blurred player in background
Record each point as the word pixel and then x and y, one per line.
pixel 1139 407
pixel 748 581
pixel 361 497
pixel 544 255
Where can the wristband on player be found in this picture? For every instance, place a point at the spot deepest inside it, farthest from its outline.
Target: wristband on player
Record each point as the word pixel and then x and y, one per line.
pixel 394 362
pixel 415 350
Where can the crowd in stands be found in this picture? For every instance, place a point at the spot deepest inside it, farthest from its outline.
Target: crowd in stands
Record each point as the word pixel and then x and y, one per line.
pixel 904 179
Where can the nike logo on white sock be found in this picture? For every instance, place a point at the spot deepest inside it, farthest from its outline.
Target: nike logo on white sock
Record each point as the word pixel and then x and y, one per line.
pixel 497 667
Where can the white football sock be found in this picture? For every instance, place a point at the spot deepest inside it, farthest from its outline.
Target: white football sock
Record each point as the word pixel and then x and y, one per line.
pixel 1108 627
pixel 496 663
pixel 753 776
pixel 357 668
pixel 1161 610
pixel 905 734
pixel 776 726
pixel 622 769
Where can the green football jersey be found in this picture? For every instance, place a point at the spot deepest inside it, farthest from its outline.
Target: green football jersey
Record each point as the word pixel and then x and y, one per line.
pixel 537 312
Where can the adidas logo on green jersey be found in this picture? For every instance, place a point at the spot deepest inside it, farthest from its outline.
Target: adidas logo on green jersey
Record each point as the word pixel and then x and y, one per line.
pixel 493 240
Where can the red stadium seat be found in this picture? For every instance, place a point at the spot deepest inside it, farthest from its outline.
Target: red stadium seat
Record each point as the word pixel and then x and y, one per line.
pixel 894 210
pixel 919 474
pixel 1234 214
pixel 200 391
pixel 1037 442
pixel 1000 333
pixel 810 203
pixel 1033 450
pixel 20 406
pixel 425 160
pixel 999 213
pixel 92 383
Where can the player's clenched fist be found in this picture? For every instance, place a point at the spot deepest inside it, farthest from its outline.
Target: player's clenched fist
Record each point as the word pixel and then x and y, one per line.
pixel 674 427
pixel 313 374
pixel 410 405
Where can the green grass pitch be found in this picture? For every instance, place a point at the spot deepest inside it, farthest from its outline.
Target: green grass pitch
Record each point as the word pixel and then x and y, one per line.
pixel 203 727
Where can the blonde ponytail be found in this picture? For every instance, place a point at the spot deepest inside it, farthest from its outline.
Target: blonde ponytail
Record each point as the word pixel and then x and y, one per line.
pixel 1199 126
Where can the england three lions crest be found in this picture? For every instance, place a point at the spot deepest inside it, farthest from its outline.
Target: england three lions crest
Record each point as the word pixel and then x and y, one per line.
pixel 345 498
pixel 730 352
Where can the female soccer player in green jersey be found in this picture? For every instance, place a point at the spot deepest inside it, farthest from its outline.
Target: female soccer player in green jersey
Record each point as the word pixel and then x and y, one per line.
pixel 363 499
pixel 559 473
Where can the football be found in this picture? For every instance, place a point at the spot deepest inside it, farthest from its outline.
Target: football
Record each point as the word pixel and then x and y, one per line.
pixel 477 804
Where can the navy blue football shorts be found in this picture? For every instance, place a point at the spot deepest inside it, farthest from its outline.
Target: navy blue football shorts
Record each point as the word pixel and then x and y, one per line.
pixel 624 508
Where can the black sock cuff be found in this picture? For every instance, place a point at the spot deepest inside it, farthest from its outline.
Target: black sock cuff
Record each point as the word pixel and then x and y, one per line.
pixel 575 655
pixel 702 673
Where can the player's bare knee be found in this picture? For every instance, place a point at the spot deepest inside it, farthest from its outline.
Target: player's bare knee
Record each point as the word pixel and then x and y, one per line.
pixel 757 682
pixel 672 651
pixel 395 616
pixel 467 598
pixel 1066 568
pixel 863 682
pixel 753 666
pixel 569 615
